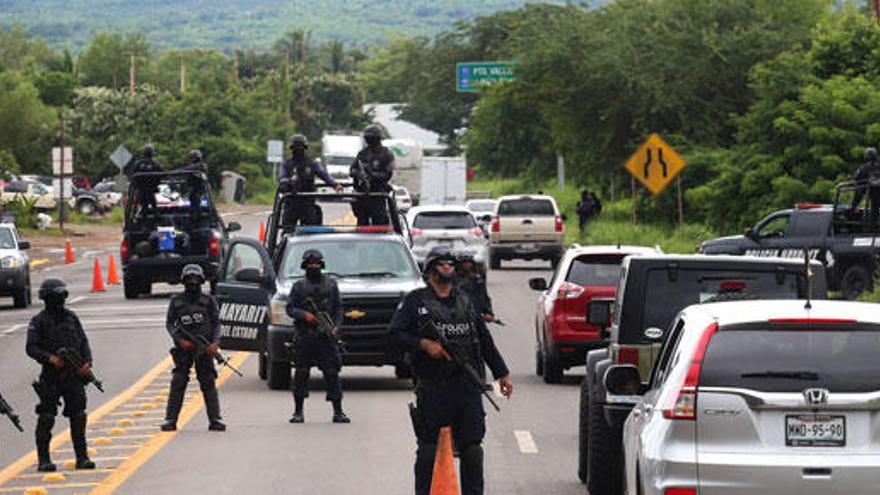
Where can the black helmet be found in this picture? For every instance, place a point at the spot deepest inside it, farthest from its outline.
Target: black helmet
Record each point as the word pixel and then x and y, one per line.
pixel 52 287
pixel 299 140
pixel 372 134
pixel 870 153
pixel 312 256
pixel 192 270
pixel 194 156
pixel 149 151
pixel 438 253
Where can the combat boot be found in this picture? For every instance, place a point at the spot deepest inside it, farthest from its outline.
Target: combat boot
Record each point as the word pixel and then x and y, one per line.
pixel 78 437
pixel 169 425
pixel 298 416
pixel 338 415
pixel 212 407
pixel 43 436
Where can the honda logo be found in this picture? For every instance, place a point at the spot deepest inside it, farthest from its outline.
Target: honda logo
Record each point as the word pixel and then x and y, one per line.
pixel 816 396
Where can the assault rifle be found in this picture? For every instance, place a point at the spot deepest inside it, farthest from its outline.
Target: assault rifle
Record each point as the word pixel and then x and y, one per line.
pixel 361 177
pixel 6 410
pixel 202 343
pixel 459 361
pixel 325 323
pixel 73 360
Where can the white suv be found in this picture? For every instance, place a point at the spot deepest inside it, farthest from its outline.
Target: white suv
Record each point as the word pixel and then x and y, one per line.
pixel 526 227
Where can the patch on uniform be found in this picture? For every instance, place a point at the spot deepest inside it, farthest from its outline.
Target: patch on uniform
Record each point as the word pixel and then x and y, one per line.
pixel 423 310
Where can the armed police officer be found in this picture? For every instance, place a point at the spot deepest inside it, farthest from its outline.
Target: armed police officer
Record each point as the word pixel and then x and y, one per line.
pixel 50 332
pixel 147 188
pixel 315 306
pixel 868 180
pixel 198 184
pixel 445 395
pixel 297 175
pixel 470 281
pixel 197 314
pixel 372 170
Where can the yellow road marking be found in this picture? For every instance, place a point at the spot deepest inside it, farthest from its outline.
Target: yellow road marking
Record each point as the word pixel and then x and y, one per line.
pixel 39 262
pixel 153 446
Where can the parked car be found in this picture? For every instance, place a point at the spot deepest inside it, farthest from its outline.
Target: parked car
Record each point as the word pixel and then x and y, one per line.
pixel 562 334
pixel 756 397
pixel 81 182
pixel 445 225
pixel 526 227
pixel 403 198
pixel 40 194
pixel 483 211
pixel 15 272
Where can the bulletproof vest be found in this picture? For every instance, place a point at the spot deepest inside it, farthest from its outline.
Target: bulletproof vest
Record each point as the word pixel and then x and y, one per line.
pixel 192 314
pixel 318 292
pixel 62 333
pixel 376 163
pixel 301 173
pixel 455 322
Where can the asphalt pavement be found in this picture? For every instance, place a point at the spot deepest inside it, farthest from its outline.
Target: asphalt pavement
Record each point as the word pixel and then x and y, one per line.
pixel 530 446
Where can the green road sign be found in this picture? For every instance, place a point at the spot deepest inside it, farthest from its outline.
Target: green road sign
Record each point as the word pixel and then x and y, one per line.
pixel 469 76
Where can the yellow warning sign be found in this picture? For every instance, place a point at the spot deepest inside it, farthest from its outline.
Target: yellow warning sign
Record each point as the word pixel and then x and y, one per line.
pixel 655 164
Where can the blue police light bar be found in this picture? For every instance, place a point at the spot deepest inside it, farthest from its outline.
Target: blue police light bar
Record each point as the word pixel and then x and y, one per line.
pixel 344 229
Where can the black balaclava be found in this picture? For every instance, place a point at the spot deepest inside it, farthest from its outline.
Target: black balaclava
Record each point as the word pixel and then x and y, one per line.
pixel 192 286
pixel 446 279
pixel 313 274
pixel 55 303
pixel 298 151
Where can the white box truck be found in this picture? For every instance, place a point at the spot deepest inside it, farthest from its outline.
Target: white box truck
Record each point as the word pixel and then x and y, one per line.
pixel 338 151
pixel 407 165
pixel 444 180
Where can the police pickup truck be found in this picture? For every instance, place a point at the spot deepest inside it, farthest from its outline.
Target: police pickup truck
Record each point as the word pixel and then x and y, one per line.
pixel 372 265
pixel 835 234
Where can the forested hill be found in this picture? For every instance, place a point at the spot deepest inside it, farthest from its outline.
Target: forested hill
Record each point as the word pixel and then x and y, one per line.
pixel 228 24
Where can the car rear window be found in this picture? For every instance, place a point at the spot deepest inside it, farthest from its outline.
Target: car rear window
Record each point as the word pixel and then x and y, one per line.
pixel 668 292
pixel 526 207
pixel 594 270
pixel 444 220
pixel 793 360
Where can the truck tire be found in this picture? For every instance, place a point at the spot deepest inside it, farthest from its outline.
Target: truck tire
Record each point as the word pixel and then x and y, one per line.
pixel 856 279
pixel 262 365
pixel 130 287
pixel 553 370
pixel 583 429
pixel 86 207
pixel 539 361
pixel 278 375
pixel 603 453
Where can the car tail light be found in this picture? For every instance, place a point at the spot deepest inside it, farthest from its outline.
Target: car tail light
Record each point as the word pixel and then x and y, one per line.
pixel 685 406
pixel 496 225
pixel 559 225
pixel 628 355
pixel 476 231
pixel 680 491
pixel 214 246
pixel 124 252
pixel 569 291
pixel 416 231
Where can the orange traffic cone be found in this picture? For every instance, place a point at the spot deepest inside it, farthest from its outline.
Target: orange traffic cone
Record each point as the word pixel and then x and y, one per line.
pixel 97 279
pixel 68 253
pixel 444 481
pixel 112 276
pixel 262 232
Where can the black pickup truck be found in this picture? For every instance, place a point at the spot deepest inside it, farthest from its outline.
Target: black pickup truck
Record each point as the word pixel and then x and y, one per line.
pixel 838 235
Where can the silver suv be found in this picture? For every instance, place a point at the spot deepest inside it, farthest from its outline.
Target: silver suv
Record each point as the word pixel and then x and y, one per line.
pixel 757 397
pixel 15 270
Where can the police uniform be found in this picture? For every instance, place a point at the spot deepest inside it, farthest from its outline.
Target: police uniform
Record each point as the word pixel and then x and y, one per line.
pixel 49 332
pixel 147 188
pixel 297 175
pixel 198 188
pixel 199 314
pixel 312 348
pixel 378 164
pixel 445 398
pixel 868 177
pixel 475 286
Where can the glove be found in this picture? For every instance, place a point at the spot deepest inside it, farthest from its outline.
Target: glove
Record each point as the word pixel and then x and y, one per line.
pixel 186 345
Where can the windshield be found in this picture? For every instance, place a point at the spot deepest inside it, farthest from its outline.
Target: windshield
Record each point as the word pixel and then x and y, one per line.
pixel 793 360
pixel 6 239
pixel 481 206
pixel 594 270
pixel 362 258
pixel 338 160
pixel 446 220
pixel 526 207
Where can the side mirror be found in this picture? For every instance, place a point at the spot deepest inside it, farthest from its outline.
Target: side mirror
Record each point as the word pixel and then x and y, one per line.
pixel 538 283
pixel 24 245
pixel 249 276
pixel 623 379
pixel 233 227
pixel 599 313
pixel 752 234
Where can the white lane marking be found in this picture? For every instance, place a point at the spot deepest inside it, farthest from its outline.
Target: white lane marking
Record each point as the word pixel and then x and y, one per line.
pixel 497 389
pixel 77 299
pixel 525 441
pixel 13 328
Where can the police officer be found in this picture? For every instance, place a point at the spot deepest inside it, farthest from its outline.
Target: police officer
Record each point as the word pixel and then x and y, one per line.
pixel 470 281
pixel 297 175
pixel 198 188
pixel 311 346
pixel 49 331
pixel 198 314
pixel 444 395
pixel 868 179
pixel 148 187
pixel 376 162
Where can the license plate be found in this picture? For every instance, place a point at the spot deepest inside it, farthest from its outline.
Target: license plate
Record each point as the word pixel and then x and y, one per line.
pixel 815 430
pixel 528 247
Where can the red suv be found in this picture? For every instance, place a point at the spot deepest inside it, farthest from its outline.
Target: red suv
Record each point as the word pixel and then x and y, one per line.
pixel 562 334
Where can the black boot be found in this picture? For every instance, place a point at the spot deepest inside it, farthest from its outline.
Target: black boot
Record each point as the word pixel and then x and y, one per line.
pixel 169 425
pixel 212 407
pixel 179 380
pixel 78 437
pixel 298 416
pixel 338 415
pixel 43 436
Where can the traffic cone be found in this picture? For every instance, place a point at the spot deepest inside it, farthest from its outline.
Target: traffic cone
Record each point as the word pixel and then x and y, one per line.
pixel 112 275
pixel 68 253
pixel 262 232
pixel 97 279
pixel 444 481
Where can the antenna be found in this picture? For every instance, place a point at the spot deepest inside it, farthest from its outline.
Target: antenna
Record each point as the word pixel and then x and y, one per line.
pixel 809 273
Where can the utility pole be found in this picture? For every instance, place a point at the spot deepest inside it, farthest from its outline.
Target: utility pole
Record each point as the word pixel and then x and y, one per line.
pixel 132 75
pixel 61 182
pixel 235 65
pixel 182 73
pixel 287 64
pixel 875 7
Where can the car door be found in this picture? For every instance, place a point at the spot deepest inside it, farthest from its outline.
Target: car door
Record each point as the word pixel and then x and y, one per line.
pixel 770 235
pixel 245 287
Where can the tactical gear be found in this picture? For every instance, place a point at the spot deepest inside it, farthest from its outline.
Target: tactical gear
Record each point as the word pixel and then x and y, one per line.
pixel 54 287
pixel 462 256
pixel 339 415
pixel 78 438
pixel 312 256
pixel 437 254
pixel 299 140
pixel 192 270
pixel 373 135
pixel 43 436
pixel 194 156
pixel 169 425
pixel 149 151
pixel 192 314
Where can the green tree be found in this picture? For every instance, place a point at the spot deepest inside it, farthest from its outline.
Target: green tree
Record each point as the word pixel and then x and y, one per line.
pixel 27 126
